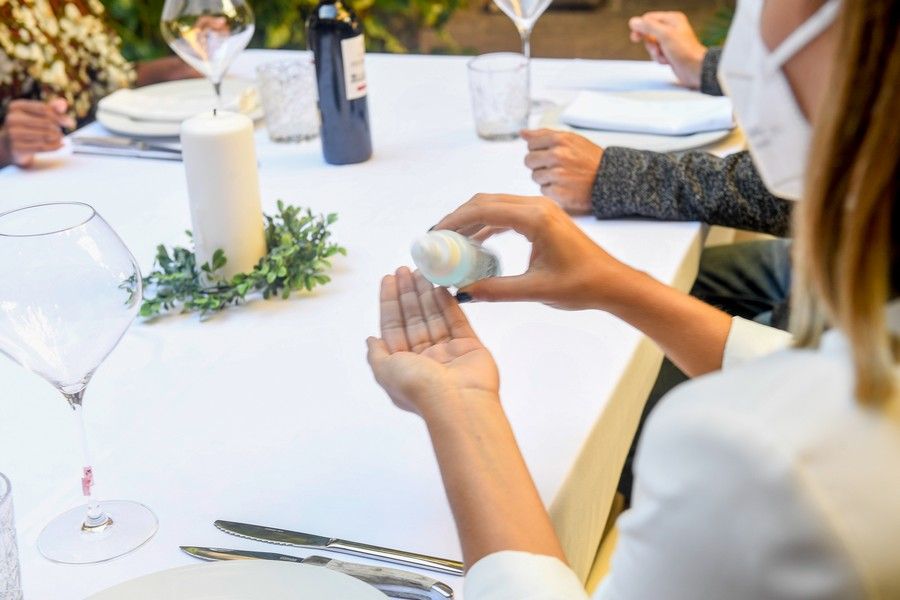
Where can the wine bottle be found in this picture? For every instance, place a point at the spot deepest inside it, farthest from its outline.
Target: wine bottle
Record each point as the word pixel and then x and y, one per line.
pixel 335 37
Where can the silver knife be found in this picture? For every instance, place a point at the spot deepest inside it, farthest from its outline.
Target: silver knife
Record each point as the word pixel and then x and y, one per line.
pixel 304 540
pixel 391 582
pixel 123 143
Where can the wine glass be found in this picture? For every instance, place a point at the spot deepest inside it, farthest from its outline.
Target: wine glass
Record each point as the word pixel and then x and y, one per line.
pixel 69 289
pixel 524 14
pixel 208 34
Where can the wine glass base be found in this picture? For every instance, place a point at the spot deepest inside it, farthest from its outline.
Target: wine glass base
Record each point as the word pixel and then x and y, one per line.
pixel 64 540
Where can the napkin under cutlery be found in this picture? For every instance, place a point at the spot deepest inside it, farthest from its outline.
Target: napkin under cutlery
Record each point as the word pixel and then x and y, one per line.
pixel 687 114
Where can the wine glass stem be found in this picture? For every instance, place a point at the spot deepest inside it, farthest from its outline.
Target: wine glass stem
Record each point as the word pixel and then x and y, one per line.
pixel 95 520
pixel 526 42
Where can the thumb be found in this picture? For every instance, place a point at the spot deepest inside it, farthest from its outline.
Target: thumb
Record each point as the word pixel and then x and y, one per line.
pixel 514 288
pixel 378 350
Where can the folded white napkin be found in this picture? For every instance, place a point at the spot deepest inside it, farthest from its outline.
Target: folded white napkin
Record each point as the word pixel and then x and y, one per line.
pixel 682 115
pixel 141 105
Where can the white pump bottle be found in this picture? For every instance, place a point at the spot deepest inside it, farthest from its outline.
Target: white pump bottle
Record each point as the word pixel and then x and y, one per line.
pixel 449 259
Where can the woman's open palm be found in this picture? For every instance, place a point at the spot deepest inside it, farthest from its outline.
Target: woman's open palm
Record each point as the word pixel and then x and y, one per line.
pixel 427 352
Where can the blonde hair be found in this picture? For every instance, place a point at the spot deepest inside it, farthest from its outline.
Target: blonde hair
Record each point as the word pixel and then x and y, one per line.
pixel 846 249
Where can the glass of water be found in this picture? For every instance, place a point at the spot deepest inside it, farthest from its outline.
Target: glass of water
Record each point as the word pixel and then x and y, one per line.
pixel 10 584
pixel 290 99
pixel 500 102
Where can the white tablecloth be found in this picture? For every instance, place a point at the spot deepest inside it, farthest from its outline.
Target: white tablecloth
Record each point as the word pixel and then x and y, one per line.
pixel 268 413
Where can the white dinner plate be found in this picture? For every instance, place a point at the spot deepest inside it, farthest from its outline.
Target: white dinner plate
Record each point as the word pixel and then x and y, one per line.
pixel 243 580
pixel 195 93
pixel 640 141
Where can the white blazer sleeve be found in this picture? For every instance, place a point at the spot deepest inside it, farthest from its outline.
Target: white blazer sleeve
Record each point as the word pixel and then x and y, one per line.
pixel 522 576
pixel 748 340
pixel 720 511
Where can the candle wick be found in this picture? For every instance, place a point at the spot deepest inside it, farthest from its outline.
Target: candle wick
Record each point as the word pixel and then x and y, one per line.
pixel 214 112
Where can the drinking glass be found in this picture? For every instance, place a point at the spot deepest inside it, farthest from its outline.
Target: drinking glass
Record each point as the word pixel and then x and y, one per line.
pixel 208 34
pixel 524 14
pixel 69 289
pixel 289 96
pixel 499 86
pixel 10 583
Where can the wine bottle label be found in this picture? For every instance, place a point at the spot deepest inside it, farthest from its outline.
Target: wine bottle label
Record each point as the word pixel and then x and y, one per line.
pixel 354 53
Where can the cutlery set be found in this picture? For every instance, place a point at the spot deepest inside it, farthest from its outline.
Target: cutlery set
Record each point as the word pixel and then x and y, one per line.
pixel 123 146
pixel 394 583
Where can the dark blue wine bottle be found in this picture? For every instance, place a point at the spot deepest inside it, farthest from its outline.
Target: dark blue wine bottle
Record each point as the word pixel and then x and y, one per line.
pixel 335 37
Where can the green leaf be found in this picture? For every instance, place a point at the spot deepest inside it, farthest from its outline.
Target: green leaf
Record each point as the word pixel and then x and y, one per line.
pixel 297 256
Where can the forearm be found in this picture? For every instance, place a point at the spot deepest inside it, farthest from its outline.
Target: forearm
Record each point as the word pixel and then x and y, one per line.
pixel 695 186
pixel 162 69
pixel 491 493
pixel 690 332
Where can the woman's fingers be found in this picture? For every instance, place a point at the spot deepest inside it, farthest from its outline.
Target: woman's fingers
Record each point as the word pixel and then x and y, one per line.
pixel 417 334
pixel 513 288
pixel 393 331
pixel 454 317
pixel 434 317
pixel 520 213
pixel 487 232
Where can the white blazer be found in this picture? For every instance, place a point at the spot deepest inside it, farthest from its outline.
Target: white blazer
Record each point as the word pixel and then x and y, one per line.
pixel 765 480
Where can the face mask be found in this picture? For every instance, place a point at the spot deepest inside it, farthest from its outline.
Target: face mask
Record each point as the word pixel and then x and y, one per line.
pixel 764 105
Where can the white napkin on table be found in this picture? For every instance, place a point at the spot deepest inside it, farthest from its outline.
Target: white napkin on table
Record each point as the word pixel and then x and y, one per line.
pixel 682 116
pixel 135 104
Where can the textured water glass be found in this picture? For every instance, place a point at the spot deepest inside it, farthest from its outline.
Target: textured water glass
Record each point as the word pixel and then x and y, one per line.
pixel 10 583
pixel 290 98
pixel 499 87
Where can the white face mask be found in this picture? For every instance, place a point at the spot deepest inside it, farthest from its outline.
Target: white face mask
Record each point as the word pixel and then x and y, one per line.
pixel 764 105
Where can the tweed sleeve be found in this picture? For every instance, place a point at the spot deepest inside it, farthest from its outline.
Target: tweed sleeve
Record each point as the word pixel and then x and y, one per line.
pixel 694 186
pixel 709 80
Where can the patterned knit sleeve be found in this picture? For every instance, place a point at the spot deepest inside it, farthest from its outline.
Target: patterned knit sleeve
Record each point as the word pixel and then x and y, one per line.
pixel 694 186
pixel 709 80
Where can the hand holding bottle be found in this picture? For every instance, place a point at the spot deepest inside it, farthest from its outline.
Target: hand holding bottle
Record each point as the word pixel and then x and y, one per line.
pixel 567 269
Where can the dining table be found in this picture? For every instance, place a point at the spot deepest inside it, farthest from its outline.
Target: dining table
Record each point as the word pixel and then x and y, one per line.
pixel 268 413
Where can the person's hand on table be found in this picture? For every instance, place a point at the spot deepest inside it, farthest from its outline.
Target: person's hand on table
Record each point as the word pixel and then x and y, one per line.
pixel 32 126
pixel 670 40
pixel 567 269
pixel 428 355
pixel 565 165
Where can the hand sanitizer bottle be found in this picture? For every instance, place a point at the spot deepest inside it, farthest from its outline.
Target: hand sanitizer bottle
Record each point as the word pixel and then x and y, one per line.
pixel 450 259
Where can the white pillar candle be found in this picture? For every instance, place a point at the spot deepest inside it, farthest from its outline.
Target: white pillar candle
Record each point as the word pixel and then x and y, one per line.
pixel 223 188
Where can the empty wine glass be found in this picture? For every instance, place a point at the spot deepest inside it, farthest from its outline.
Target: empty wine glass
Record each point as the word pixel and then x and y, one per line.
pixel 208 34
pixel 69 289
pixel 524 14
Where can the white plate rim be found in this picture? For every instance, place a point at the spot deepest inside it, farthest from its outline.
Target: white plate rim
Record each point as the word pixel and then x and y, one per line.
pixel 253 570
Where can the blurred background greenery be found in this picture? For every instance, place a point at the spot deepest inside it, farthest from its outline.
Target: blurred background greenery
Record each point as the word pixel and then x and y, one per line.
pixel 570 28
pixel 390 25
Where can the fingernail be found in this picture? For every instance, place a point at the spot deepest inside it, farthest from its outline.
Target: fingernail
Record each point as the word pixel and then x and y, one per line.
pixel 433 227
pixel 463 297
